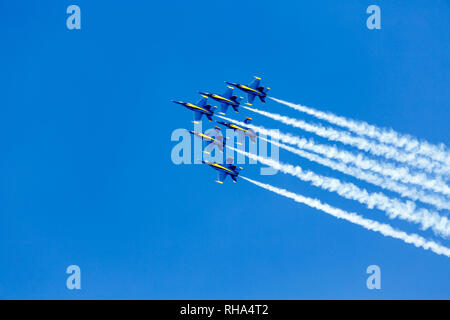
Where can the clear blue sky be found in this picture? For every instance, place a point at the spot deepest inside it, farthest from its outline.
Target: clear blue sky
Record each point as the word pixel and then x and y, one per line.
pixel 86 120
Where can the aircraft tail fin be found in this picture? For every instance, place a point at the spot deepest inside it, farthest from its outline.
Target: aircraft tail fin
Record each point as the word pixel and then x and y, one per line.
pixel 234 176
pixel 248 120
pixel 236 98
pixel 223 108
pixel 263 89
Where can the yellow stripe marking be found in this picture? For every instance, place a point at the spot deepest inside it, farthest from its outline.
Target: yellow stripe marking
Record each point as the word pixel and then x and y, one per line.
pixel 221 167
pixel 248 88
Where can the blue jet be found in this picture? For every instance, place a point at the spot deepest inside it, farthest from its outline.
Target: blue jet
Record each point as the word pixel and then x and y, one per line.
pixel 200 109
pixel 241 130
pixel 224 170
pixel 218 139
pixel 225 100
pixel 253 90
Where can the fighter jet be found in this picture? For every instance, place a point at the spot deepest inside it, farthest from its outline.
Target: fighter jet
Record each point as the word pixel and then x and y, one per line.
pixel 241 130
pixel 218 139
pixel 200 109
pixel 225 170
pixel 227 99
pixel 253 90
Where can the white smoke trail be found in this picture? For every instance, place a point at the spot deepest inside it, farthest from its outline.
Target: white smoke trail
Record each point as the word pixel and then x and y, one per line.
pixel 392 206
pixel 368 224
pixel 362 175
pixel 396 173
pixel 360 143
pixel 360 161
pixel 387 136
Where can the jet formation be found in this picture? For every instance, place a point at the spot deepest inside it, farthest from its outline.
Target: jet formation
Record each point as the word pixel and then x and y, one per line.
pixel 227 99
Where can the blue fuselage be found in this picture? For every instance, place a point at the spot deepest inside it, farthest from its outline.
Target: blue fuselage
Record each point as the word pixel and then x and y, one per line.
pixel 201 135
pixel 193 107
pixel 221 168
pixel 220 99
pixel 233 126
pixel 247 89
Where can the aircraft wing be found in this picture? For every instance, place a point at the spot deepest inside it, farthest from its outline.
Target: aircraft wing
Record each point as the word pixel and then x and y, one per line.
pixel 197 116
pixel 202 102
pixel 241 137
pixel 228 93
pixel 223 108
pixel 255 83
pixel 221 177
pixel 250 97
pixel 209 146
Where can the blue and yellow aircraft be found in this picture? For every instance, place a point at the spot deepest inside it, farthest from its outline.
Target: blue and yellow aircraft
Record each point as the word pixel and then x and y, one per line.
pixel 253 90
pixel 218 139
pixel 227 99
pixel 225 170
pixel 241 130
pixel 200 109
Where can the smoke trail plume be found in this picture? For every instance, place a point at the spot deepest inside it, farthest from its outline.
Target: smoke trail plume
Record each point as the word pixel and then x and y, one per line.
pixel 360 143
pixel 396 173
pixel 363 175
pixel 392 206
pixel 386 136
pixel 368 224
pixel 360 161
